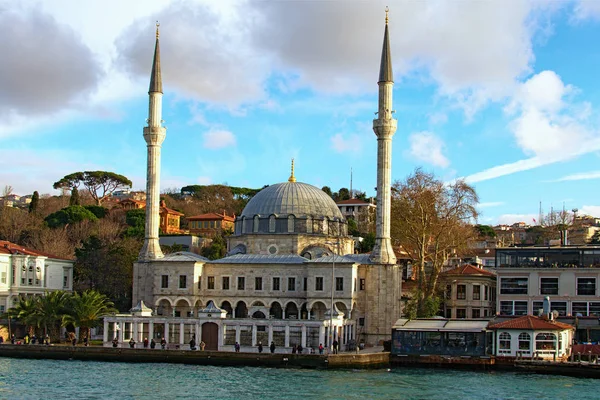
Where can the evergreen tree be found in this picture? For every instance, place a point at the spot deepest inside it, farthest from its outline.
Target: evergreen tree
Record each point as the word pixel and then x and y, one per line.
pixel 35 199
pixel 74 200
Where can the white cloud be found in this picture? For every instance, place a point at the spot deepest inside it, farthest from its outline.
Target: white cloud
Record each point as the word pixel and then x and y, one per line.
pixel 427 147
pixel 346 143
pixel 580 176
pixel 586 9
pixel 548 126
pixel 217 139
pixel 438 118
pixel 589 210
pixel 509 219
pixel 204 180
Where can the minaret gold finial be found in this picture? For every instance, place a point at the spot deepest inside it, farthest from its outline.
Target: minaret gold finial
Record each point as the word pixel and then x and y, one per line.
pixel 157 33
pixel 387 10
pixel 292 177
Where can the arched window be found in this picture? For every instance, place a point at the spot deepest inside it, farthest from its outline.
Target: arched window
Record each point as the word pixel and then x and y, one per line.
pixel 309 227
pixel 504 343
pixel 291 223
pixel 255 225
pixel 272 223
pixel 545 341
pixel 524 342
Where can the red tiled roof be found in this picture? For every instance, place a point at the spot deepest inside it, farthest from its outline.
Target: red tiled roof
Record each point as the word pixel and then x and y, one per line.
pixel 530 322
pixel 7 247
pixel 468 269
pixel 133 201
pixel 211 217
pixel 171 211
pixel 353 201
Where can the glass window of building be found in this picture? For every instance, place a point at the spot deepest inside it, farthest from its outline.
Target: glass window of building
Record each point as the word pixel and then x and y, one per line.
pixel 524 341
pixel 319 283
pixel 545 341
pixel 579 308
pixel 461 313
pixel 560 306
pixel 362 284
pixel 182 281
pixel 211 283
pixel 504 342
pixel 475 313
pixel 520 308
pixel 291 284
pixel 164 281
pixel 339 284
pixel 258 283
pixel 225 283
pixel 514 285
pixel 305 284
pixel 476 292
pixel 276 284
pixel 586 286
pixel 241 283
pixel 549 286
pixel 594 308
pixel 461 292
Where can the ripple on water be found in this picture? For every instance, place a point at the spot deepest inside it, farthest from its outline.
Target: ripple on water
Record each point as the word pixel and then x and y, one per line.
pixel 34 379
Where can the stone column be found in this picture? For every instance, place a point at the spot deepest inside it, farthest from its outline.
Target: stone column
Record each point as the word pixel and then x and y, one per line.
pixel 270 335
pixel 105 334
pixel 237 333
pixel 134 330
pixel 322 335
pixel 303 338
pixel 151 329
pixel 166 332
pixel 181 333
pixel 286 342
pixel 253 335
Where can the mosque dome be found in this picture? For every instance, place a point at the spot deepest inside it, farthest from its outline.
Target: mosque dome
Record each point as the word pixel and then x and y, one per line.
pixel 292 198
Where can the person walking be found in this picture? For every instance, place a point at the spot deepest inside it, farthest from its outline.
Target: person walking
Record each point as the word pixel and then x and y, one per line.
pixel 163 343
pixel 272 347
pixel 321 348
pixel 260 347
pixel 335 347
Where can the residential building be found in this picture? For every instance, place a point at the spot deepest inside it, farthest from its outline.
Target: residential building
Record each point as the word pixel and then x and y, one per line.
pixel 363 212
pixel 25 271
pixel 169 221
pixel 469 292
pixel 210 224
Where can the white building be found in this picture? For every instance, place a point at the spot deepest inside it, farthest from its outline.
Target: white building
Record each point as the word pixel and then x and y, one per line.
pixel 24 272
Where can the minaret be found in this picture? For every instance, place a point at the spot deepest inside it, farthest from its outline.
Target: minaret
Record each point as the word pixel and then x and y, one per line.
pixel 154 134
pixel 384 127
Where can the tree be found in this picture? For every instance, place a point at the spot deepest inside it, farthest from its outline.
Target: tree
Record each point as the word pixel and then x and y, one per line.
pixel 69 215
pixel 485 231
pixel 51 312
pixel 74 200
pixel 327 190
pixel 25 311
pixel 431 220
pixel 87 309
pixel 34 202
pixel 136 221
pixel 217 248
pixel 100 184
pixel 595 239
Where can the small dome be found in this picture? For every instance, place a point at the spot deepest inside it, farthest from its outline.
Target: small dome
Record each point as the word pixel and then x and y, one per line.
pixel 297 198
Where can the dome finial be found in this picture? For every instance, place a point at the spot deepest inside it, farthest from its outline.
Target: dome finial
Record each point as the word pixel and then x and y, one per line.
pixel 387 10
pixel 158 33
pixel 292 177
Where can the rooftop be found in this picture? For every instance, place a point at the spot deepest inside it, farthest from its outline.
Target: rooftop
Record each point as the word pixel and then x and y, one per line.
pixel 530 322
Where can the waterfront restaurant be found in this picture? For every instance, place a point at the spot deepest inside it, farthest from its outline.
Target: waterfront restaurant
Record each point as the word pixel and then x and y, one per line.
pixel 441 336
pixel 533 337
pixel 220 332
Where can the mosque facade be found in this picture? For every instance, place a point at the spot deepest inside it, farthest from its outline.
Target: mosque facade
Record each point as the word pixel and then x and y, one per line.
pixel 291 275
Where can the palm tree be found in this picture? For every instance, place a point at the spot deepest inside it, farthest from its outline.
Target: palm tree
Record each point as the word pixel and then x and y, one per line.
pixel 87 309
pixel 52 311
pixel 25 311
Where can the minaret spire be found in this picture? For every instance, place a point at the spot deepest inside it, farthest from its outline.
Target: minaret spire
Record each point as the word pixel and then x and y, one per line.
pixel 154 135
pixel 384 127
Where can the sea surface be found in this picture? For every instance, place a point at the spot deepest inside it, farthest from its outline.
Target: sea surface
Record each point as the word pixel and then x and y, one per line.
pixel 49 379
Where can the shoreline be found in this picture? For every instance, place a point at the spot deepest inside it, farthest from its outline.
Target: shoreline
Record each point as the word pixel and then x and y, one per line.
pixel 378 360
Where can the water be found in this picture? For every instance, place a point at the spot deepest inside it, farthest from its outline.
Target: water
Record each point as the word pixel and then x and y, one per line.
pixel 49 379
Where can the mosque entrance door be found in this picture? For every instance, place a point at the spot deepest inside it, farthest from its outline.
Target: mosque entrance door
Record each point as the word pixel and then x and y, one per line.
pixel 210 335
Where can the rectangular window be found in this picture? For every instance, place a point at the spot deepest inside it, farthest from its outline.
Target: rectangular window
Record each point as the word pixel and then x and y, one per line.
pixel 291 284
pixel 65 281
pixel 448 292
pixel 362 284
pixel 537 306
pixel 513 308
pixel 586 286
pixel 305 285
pixel 548 285
pixel 4 277
pixel 461 292
pixel 212 224
pixel 164 281
pixel 225 283
pixel 241 284
pixel 579 309
pixel 560 306
pixel 486 291
pixel 182 281
pixel 200 282
pixel 276 284
pixel 339 284
pixel 258 283
pixel 476 293
pixel 475 313
pixel 514 285
pixel 594 309
pixel 461 313
pixel 319 283
pixel 520 308
pixel 211 283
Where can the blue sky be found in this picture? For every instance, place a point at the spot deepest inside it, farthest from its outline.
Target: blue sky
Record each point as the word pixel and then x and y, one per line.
pixel 503 93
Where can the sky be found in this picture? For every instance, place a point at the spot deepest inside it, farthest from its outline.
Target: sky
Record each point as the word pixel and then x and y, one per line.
pixel 505 94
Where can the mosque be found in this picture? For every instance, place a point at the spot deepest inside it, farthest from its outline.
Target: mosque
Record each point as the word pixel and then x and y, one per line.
pixel 290 275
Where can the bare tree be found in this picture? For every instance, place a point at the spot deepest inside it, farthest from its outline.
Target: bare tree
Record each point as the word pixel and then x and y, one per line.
pixel 431 220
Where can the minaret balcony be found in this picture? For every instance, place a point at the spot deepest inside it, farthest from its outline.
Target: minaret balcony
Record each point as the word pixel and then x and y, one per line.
pixel 385 127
